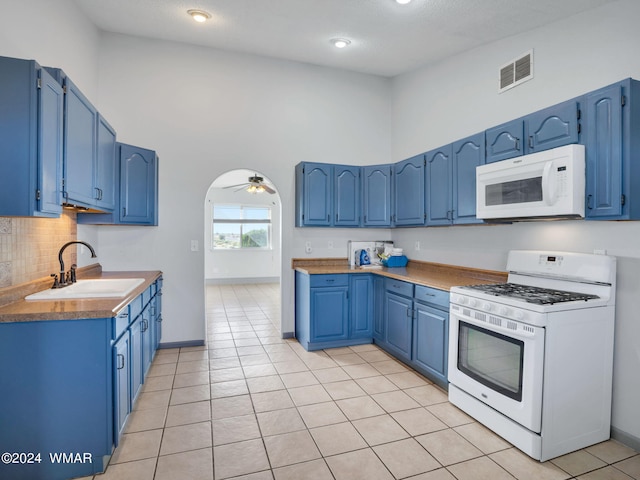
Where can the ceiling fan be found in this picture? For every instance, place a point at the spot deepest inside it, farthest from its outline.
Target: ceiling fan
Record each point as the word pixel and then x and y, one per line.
pixel 254 185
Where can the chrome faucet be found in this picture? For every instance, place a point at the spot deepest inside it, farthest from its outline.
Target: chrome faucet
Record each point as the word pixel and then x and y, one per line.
pixel 68 278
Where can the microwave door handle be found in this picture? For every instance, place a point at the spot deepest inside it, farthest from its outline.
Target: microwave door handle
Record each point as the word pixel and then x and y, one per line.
pixel 549 190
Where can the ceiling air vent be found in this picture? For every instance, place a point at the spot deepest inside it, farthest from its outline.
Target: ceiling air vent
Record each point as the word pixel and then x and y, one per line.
pixel 516 72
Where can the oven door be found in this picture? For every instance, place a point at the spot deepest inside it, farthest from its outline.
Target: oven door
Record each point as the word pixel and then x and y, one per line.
pixel 498 361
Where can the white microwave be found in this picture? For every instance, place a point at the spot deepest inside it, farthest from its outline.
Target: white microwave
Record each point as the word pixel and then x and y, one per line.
pixel 547 184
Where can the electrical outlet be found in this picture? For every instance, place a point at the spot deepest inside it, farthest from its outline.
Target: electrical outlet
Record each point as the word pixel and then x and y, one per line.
pixel 600 251
pixel 417 245
pixel 307 247
pixel 194 245
pixel 329 244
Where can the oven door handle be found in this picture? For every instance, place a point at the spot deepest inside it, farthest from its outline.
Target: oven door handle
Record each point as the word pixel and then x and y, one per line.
pixel 549 187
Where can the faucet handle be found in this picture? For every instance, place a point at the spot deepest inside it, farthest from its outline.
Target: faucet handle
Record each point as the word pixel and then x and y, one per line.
pixel 56 284
pixel 72 273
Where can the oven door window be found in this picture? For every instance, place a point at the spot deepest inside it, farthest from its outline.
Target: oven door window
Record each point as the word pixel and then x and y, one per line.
pixel 516 191
pixel 493 359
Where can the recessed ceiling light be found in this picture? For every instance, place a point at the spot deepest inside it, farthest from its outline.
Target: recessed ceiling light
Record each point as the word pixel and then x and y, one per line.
pixel 340 42
pixel 199 15
pixel 403 2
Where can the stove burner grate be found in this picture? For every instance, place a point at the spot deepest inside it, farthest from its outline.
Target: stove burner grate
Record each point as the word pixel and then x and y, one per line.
pixel 530 294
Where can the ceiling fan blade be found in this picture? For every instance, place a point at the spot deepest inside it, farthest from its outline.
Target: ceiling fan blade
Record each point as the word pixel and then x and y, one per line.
pixel 238 185
pixel 268 189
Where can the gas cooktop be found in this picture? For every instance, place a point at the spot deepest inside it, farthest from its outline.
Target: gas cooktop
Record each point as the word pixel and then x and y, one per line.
pixel 530 294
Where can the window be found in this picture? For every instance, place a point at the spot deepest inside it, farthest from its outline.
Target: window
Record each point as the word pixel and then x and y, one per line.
pixel 241 226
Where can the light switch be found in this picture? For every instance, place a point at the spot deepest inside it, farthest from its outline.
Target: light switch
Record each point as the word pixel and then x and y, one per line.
pixel 194 245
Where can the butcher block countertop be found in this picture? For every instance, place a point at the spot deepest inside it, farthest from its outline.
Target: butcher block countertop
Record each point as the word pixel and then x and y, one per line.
pixel 14 308
pixel 435 275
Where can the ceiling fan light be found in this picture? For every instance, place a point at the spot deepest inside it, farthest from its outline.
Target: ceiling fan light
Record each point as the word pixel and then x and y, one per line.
pixel 403 2
pixel 199 16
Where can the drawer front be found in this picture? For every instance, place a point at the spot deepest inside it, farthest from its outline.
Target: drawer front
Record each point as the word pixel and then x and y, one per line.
pixel 135 308
pixel 341 280
pixel 398 287
pixel 122 322
pixel 434 296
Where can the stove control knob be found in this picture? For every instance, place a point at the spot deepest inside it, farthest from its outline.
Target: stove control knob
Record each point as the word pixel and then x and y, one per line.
pixel 461 300
pixel 473 302
pixel 504 311
pixel 519 315
pixel 487 306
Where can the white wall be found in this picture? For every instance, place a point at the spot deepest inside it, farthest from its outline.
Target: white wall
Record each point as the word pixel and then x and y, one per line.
pixel 239 265
pixel 206 112
pixel 458 97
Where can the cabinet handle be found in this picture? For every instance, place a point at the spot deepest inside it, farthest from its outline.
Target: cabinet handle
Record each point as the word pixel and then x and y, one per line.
pixel 531 142
pixel 328 218
pixel 589 206
pixel 517 144
pixel 120 358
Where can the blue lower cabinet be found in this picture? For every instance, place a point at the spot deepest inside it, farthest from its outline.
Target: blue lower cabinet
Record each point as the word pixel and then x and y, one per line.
pixel 378 309
pixel 328 315
pixel 57 397
pixel 67 387
pixel 122 384
pixel 136 358
pixel 430 342
pixel 361 305
pixel 398 325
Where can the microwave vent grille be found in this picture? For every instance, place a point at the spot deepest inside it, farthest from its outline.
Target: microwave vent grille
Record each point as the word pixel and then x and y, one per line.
pixel 515 72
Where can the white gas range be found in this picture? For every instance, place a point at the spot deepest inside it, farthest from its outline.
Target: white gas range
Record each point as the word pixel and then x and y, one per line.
pixel 532 359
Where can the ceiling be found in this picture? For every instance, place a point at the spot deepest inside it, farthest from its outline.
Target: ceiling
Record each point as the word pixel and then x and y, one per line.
pixel 387 39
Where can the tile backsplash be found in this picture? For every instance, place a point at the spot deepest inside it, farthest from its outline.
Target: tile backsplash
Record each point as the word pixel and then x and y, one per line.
pixel 29 247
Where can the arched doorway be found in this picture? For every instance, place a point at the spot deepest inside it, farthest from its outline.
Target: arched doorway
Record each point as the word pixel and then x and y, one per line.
pixel 243 257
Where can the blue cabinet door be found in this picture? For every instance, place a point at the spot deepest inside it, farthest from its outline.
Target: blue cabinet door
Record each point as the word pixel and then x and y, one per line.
pixel 378 309
pixel 146 329
pixel 377 196
pixel 329 314
pixel 31 122
pixel 80 147
pixel 50 142
pixel 604 152
pixel 346 199
pixel 317 200
pixel 138 185
pixel 122 384
pixel 505 141
pixel 106 166
pixel 552 127
pixel 439 182
pixel 136 358
pixel 398 325
pixel 361 300
pixel 409 188
pixel 467 155
pixel 431 341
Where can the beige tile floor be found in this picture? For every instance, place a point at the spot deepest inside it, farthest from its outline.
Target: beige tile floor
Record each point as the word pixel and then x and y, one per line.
pixel 252 406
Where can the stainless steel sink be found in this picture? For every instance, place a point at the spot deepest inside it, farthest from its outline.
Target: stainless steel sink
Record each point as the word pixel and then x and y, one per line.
pixel 95 288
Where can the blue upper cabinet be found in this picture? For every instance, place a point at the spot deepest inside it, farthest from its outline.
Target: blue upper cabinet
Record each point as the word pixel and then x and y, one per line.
pixel 89 151
pixel 468 154
pixel 313 194
pixel 346 197
pixel 136 198
pixel 80 147
pixel 548 128
pixel 409 188
pixel 106 170
pixel 505 141
pixel 552 127
pixel 31 122
pixel 327 195
pixel 138 185
pixel 439 184
pixel 376 196
pixel 612 116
